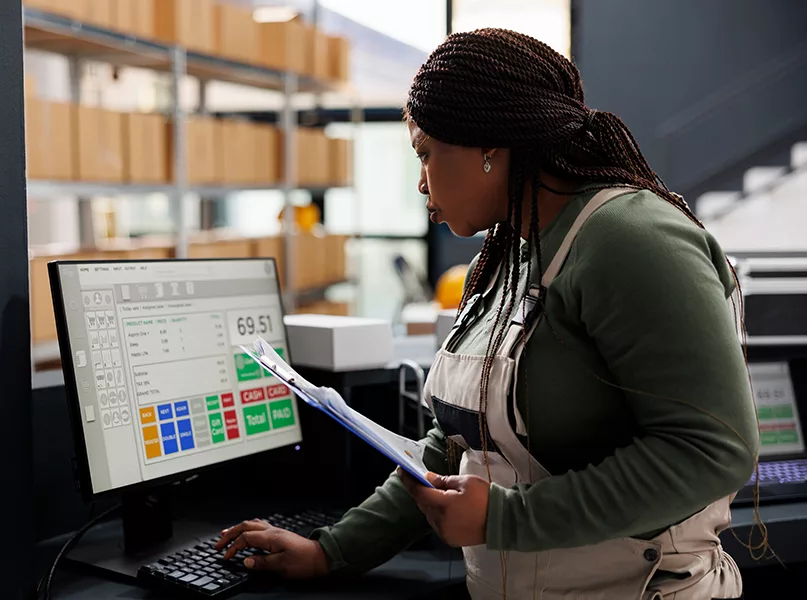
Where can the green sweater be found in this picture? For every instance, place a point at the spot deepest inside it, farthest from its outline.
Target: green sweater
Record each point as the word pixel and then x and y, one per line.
pixel 641 303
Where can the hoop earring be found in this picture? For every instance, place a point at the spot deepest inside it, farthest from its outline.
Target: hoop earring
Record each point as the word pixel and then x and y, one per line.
pixel 486 165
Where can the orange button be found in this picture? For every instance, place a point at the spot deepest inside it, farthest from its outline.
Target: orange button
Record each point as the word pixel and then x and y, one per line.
pixel 151 438
pixel 147 415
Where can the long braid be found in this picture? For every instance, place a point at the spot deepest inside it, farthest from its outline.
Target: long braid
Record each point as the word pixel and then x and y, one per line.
pixel 494 88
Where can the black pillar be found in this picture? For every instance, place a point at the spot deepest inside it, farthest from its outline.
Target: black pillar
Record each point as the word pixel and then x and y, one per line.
pixel 16 556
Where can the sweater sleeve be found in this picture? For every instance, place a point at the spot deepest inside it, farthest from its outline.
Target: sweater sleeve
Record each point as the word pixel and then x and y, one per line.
pixel 384 524
pixel 652 295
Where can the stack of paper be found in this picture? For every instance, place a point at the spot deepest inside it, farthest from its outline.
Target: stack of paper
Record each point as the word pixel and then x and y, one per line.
pixel 405 452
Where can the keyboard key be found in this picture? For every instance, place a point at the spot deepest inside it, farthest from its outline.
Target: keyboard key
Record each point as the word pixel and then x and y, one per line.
pixel 166 561
pixel 176 575
pixel 212 587
pixel 188 578
pixel 202 582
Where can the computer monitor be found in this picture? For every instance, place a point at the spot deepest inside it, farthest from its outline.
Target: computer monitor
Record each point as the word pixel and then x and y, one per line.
pixel 781 433
pixel 157 385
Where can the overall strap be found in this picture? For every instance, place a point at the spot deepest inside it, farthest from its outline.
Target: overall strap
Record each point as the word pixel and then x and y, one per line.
pixel 596 202
pixel 528 310
pixel 470 313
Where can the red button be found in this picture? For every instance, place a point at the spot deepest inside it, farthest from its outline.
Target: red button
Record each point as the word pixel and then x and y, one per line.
pixel 231 422
pixel 256 395
pixel 276 391
pixel 227 400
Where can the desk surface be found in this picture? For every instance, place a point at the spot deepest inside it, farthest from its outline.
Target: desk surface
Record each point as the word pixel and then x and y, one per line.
pixel 411 575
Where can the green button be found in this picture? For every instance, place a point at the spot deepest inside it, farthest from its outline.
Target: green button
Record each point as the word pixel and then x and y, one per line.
pixel 246 368
pixel 281 354
pixel 765 413
pixel 216 427
pixel 256 419
pixel 282 413
pixel 768 437
pixel 212 402
pixel 788 436
pixel 783 411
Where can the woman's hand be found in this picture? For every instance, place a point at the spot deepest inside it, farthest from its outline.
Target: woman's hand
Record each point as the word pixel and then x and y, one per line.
pixel 290 555
pixel 457 507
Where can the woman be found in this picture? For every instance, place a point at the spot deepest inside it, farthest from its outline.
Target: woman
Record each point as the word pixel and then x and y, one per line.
pixel 593 388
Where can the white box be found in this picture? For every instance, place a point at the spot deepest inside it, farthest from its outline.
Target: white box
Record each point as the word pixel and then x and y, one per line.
pixel 339 343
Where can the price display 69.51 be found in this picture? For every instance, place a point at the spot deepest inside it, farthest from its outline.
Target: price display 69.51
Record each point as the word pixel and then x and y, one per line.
pixel 248 324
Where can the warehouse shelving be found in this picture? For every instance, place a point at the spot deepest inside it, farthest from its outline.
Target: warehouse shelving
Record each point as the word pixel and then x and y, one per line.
pixel 80 42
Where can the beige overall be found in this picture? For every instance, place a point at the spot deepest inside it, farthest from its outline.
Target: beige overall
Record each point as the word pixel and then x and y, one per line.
pixel 619 569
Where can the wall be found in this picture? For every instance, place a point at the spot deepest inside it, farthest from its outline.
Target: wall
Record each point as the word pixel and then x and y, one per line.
pixel 707 88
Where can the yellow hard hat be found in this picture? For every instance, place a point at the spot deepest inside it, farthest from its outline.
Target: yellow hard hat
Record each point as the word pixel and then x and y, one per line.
pixel 450 286
pixel 306 216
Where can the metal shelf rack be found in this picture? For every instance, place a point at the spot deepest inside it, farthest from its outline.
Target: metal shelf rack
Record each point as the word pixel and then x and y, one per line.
pixel 82 42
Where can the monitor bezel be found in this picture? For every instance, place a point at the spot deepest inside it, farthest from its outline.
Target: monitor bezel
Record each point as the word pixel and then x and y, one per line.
pixel 83 474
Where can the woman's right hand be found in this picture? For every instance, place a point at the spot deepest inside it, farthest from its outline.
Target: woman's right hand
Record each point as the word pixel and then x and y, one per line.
pixel 290 555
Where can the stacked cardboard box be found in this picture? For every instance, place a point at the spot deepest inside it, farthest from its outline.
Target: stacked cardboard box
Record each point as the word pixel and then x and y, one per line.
pixel 272 247
pixel 215 244
pixel 339 155
pixel 145 148
pixel 50 139
pixel 237 34
pixel 203 161
pixel 99 147
pixel 268 163
pixel 189 23
pixel 236 141
pixel 338 58
pixel 283 46
pixel 136 17
pixel 312 157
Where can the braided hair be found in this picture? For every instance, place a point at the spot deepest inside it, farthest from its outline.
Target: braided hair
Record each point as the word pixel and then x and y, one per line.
pixel 495 88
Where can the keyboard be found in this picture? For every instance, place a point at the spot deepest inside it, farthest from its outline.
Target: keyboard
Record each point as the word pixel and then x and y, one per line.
pixel 201 571
pixel 786 471
pixel 779 481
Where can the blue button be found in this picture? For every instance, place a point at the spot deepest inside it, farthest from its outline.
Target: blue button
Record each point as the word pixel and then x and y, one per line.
pixel 185 434
pixel 181 409
pixel 165 412
pixel 169 435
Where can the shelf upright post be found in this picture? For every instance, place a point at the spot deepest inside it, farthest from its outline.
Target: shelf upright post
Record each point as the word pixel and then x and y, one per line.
pixel 178 69
pixel 289 127
pixel 86 226
pixel 356 118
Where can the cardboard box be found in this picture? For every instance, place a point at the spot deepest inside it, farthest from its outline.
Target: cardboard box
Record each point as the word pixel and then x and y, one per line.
pixel 338 59
pixel 312 157
pixel 100 13
pixel 236 141
pixel 283 46
pixel 100 144
pixel 136 17
pixel 335 258
pixel 237 35
pixel 74 9
pixel 50 140
pixel 145 148
pixel 324 307
pixel 274 247
pixel 216 245
pixel 320 65
pixel 204 165
pixel 310 260
pixel 339 154
pixel 339 343
pixel 188 23
pixel 267 154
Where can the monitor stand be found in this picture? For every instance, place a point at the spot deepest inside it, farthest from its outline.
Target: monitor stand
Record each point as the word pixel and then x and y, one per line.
pixel 145 533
